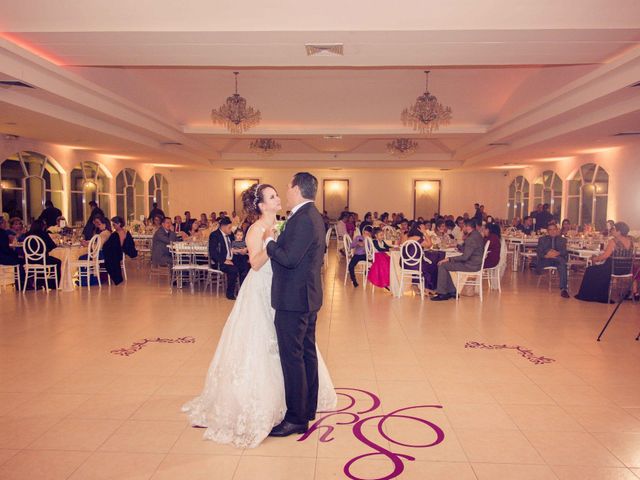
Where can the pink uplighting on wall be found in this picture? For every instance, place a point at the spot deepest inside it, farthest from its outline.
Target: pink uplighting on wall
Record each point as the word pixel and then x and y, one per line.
pixel 31 48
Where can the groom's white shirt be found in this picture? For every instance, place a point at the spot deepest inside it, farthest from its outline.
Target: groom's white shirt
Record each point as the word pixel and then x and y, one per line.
pixel 293 212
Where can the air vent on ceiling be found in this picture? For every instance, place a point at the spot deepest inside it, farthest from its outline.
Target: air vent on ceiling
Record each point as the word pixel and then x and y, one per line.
pixel 14 83
pixel 626 134
pixel 445 169
pixel 8 136
pixel 324 49
pixel 171 144
pixel 499 144
pixel 333 137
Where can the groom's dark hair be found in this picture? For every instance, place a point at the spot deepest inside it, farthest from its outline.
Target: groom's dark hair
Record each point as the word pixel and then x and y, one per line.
pixel 307 183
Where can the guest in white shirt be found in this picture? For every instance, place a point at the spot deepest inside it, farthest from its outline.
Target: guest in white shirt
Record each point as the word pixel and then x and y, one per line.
pixel 457 231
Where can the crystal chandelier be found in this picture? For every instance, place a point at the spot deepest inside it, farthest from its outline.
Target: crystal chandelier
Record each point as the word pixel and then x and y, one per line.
pixel 234 114
pixel 402 147
pixel 265 146
pixel 427 114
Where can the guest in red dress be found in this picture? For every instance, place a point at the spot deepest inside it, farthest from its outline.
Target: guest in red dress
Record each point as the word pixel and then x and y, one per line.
pixel 381 267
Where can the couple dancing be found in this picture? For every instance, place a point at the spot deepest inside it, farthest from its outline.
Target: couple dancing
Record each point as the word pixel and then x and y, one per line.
pixel 267 377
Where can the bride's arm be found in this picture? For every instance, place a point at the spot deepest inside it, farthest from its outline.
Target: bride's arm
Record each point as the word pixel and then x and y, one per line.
pixel 257 253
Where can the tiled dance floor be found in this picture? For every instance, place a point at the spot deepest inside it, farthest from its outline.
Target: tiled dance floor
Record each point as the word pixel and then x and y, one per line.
pixel 71 409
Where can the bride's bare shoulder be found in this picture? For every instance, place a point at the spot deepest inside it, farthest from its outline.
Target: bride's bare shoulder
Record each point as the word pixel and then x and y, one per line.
pixel 255 231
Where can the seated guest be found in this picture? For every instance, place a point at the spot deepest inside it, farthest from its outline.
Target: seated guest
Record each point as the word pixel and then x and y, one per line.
pixel 552 252
pixel 50 214
pixel 566 227
pixel 527 226
pixel 469 261
pixel 430 258
pixel 608 228
pixel 177 223
pixel 119 243
pixel 186 225
pixel 350 224
pixel 89 227
pixel 443 237
pixel 213 218
pixel 38 229
pixel 8 255
pixel 102 228
pixel 384 220
pixel 358 255
pixel 204 221
pixel 221 255
pixel 516 223
pixel 368 221
pixel 597 278
pixel 341 225
pixel 164 236
pixel 240 254
pixel 193 231
pixel 156 223
pixel 381 267
pixel 492 235
pixel 16 230
pixel 457 231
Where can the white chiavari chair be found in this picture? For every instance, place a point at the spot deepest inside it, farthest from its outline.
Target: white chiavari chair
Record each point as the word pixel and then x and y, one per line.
pixel 473 279
pixel 411 256
pixel 90 265
pixel 35 266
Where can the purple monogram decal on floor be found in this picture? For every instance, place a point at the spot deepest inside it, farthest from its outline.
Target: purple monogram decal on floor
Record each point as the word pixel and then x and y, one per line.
pixel 525 352
pixel 138 345
pixel 358 420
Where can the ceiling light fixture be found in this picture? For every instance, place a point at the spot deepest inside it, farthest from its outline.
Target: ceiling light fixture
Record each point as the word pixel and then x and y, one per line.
pixel 427 114
pixel 265 146
pixel 402 147
pixel 235 114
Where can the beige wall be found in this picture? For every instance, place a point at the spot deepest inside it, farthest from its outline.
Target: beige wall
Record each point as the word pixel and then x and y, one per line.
pixel 381 190
pixel 370 190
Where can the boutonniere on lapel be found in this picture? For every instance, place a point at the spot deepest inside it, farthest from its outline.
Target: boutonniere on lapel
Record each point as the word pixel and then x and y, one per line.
pixel 280 226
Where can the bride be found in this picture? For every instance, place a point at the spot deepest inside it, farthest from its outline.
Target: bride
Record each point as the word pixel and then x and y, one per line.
pixel 243 396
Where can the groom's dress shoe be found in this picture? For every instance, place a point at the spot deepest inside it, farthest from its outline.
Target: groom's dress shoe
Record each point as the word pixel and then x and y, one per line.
pixel 286 428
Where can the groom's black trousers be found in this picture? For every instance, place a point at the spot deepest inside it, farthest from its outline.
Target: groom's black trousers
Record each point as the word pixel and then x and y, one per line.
pixel 297 344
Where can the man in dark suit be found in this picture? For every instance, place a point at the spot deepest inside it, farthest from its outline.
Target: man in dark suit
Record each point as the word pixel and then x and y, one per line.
pixel 469 261
pixel 188 221
pixel 552 252
pixel 89 229
pixel 221 255
pixel 50 214
pixel 296 295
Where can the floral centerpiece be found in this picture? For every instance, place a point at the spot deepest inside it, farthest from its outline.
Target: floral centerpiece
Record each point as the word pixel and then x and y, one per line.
pixel 136 227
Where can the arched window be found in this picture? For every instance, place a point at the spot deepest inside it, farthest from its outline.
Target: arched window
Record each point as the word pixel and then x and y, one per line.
pixel 548 189
pixel 27 180
pixel 159 192
pixel 518 205
pixel 588 196
pixel 88 182
pixel 129 195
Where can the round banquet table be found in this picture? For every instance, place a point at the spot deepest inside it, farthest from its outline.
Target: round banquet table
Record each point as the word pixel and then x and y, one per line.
pixel 67 254
pixel 395 272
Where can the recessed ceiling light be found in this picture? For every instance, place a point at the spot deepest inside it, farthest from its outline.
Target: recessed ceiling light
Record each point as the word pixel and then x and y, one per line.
pixel 10 123
pixel 499 144
pixel 333 137
pixel 11 137
pixel 171 144
pixel 324 49
pixel 626 134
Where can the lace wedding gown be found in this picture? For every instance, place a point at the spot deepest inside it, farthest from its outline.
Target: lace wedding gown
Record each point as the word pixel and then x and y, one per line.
pixel 243 396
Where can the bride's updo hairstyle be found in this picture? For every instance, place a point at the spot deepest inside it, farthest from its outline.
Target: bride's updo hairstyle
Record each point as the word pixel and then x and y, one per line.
pixel 252 197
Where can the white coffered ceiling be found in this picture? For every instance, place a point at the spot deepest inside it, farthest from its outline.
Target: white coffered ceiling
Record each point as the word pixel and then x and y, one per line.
pixel 127 77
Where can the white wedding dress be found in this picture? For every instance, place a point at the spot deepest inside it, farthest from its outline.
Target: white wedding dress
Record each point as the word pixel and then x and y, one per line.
pixel 243 396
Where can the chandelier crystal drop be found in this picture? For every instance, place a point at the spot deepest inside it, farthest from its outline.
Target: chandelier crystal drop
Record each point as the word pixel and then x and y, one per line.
pixel 235 115
pixel 427 114
pixel 265 146
pixel 402 147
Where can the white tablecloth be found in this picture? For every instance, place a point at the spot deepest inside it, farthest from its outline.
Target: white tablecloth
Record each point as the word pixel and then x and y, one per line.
pixel 67 255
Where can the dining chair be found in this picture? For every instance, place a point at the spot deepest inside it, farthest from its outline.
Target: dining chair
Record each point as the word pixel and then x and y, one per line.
pixel 35 263
pixel 90 265
pixel 473 279
pixel 621 273
pixel 411 255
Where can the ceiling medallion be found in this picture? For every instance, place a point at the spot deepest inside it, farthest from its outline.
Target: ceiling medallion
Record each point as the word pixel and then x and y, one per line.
pixel 402 147
pixel 427 114
pixel 265 146
pixel 234 114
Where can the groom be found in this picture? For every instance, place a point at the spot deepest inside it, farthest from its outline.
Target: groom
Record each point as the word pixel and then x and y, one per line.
pixel 296 295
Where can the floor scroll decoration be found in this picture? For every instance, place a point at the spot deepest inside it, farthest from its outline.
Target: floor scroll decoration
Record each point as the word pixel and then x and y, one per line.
pixel 126 352
pixel 525 352
pixel 357 418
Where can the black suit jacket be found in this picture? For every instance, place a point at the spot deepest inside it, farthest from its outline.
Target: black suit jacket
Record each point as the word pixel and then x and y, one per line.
pixel 297 259
pixel 217 248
